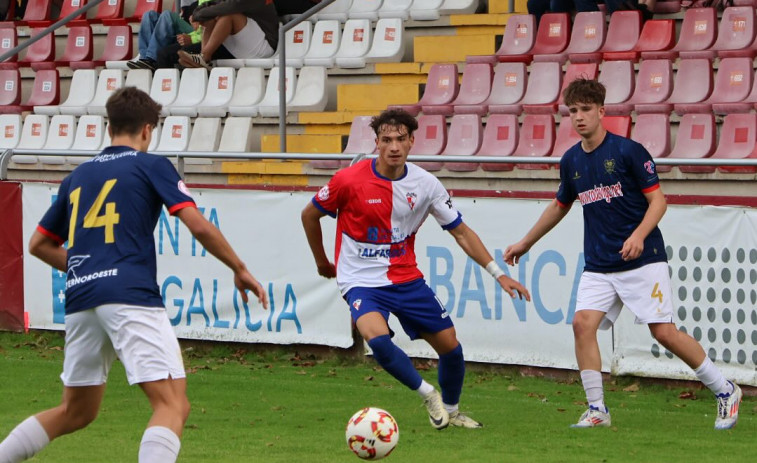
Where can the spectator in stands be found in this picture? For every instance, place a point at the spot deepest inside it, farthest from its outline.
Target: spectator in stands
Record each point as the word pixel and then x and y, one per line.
pixel 159 30
pixel 539 7
pixel 234 29
pixel 645 6
pixel 287 7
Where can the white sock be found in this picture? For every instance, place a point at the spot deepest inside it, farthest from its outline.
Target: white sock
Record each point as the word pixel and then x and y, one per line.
pixel 24 441
pixel 451 408
pixel 711 376
pixel 595 395
pixel 425 389
pixel 159 445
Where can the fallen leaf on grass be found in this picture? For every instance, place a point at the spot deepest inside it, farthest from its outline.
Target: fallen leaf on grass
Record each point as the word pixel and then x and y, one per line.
pixel 512 387
pixel 687 395
pixel 560 410
pixel 632 388
pixel 368 378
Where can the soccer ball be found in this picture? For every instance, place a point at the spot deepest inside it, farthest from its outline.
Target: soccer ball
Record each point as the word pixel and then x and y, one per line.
pixel 372 433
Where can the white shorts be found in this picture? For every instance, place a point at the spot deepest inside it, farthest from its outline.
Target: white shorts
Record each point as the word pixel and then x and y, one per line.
pixel 141 337
pixel 645 291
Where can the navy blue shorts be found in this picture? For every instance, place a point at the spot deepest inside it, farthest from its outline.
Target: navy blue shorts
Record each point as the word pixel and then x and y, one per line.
pixel 413 303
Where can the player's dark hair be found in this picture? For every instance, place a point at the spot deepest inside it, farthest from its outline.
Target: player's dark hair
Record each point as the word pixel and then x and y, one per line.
pixel 129 109
pixel 582 90
pixel 394 118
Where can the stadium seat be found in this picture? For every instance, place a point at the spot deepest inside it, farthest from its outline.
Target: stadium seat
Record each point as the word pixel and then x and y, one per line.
pixel 508 88
pixel 572 72
pixel 365 9
pixel 336 11
pixel 106 137
pixel 325 43
pixel 425 10
pixel 395 9
pixel 699 29
pixel 118 47
pixel 733 84
pixel 269 105
pixel 736 33
pixel 297 40
pixel 37 14
pixel 565 138
pixel 206 135
pixel 237 135
pixel 10 130
pixel 619 125
pixel 143 6
pixel 110 12
pixel 543 88
pixel 355 44
pixel 737 141
pixel 463 139
pixel 265 63
pixel 517 41
pixel 140 78
pixel 33 136
pixel 192 88
pixel 622 35
pixel 693 84
pixel 165 87
pixel 45 90
pixel 60 137
pixel 10 91
pixel 536 138
pixel 441 88
pixel 80 93
pixel 70 6
pixel 388 42
pixel 667 6
pixel 653 132
pixel 618 78
pixel 174 137
pixel 459 7
pixel 219 93
pixel 657 38
pixel 695 140
pixel 500 138
pixel 78 50
pixel 249 89
pixel 154 140
pixel 310 93
pixel 430 139
pixel 108 82
pixel 8 41
pixel 362 139
pixel 653 86
pixel 41 52
pixel 552 38
pixel 587 37
pixel 474 90
pixel 89 136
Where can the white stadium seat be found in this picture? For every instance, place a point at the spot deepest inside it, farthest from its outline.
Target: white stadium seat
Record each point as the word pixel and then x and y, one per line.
pixel 459 6
pixel 108 82
pixel 356 41
pixel 174 137
pixel 297 42
pixel 324 44
pixel 249 89
pixel 165 87
pixel 89 136
pixel 10 130
pixel 140 78
pixel 33 136
pixel 310 93
pixel 388 41
pixel 365 9
pixel 395 9
pixel 237 135
pixel 81 92
pixel 192 88
pixel 206 134
pixel 60 137
pixel 337 10
pixel 219 94
pixel 425 10
pixel 269 106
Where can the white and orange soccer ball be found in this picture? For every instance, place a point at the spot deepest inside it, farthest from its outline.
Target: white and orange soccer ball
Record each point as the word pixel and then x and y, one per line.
pixel 372 433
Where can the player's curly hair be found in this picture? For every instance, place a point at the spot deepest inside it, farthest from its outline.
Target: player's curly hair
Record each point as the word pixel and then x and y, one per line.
pixel 129 109
pixel 583 90
pixel 394 118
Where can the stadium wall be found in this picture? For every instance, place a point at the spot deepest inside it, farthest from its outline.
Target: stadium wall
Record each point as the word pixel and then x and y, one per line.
pixel 712 252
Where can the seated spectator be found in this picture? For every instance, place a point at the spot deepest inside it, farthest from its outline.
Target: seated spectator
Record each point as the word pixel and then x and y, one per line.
pixel 645 6
pixel 156 31
pixel 539 7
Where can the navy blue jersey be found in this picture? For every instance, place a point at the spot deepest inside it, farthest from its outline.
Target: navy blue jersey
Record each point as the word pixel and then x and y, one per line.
pixel 107 210
pixel 610 183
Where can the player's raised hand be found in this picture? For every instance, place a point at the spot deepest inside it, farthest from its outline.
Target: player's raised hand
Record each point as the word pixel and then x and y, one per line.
pixel 512 287
pixel 327 270
pixel 245 281
pixel 514 251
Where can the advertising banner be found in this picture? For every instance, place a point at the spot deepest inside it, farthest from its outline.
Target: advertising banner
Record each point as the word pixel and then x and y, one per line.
pixel 11 258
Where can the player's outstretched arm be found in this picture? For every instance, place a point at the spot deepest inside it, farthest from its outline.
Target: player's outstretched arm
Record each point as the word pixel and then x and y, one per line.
pixel 213 240
pixel 471 243
pixel 551 216
pixel 311 223
pixel 48 251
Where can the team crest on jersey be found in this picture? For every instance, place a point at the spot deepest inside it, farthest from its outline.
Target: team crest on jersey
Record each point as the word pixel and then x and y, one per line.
pixel 323 193
pixel 356 304
pixel 610 166
pixel 649 166
pixel 412 198
pixel 576 176
pixel 183 188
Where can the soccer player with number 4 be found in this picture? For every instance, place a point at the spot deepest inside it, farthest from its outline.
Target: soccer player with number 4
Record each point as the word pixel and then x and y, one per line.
pixel 107 210
pixel 615 180
pixel 379 205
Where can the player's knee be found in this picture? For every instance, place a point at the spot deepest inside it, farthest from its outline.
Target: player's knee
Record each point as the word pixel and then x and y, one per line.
pixel 664 334
pixel 185 408
pixel 79 417
pixel 582 327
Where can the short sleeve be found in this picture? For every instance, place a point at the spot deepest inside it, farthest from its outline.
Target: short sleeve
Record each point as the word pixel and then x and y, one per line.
pixel 54 223
pixel 643 168
pixel 566 193
pixel 169 186
pixel 442 208
pixel 327 198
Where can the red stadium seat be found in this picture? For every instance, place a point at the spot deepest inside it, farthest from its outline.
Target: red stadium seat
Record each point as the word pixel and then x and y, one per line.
pixel 667 7
pixel 619 125
pixel 118 47
pixel 10 91
pixel 474 90
pixel 566 137
pixel 37 13
pixel 430 139
pixel 441 88
pixel 8 41
pixel 619 80
pixel 536 138
pixel 572 72
pixel 517 41
pixel 695 140
pixel 552 38
pixel 657 38
pixel 543 89
pixel 46 89
pixel 736 33
pixel 733 84
pixel 587 38
pixel 654 85
pixel 653 132
pixel 698 32
pixel 464 139
pixel 622 35
pixel 110 12
pixel 69 6
pixel 500 138
pixel 41 51
pixel 737 141
pixel 693 84
pixel 508 88
pixel 78 48
pixel 142 7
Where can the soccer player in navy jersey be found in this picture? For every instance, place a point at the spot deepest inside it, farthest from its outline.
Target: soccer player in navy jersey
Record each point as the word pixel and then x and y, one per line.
pixel 106 210
pixel 379 205
pixel 615 180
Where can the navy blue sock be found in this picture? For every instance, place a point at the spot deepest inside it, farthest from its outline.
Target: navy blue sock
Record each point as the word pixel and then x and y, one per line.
pixel 395 361
pixel 451 375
